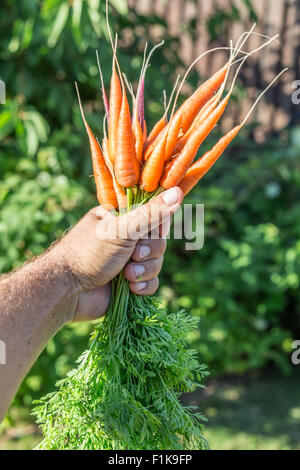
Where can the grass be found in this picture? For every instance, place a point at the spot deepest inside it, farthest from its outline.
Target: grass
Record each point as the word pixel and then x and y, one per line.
pixel 243 413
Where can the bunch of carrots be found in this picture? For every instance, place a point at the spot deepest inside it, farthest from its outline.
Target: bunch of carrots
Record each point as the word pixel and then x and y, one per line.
pixel 124 392
pixel 131 160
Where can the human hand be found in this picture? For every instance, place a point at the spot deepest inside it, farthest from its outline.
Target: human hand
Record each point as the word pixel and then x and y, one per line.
pixel 99 246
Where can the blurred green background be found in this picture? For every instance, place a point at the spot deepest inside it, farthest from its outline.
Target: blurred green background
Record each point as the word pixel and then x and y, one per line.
pixel 243 285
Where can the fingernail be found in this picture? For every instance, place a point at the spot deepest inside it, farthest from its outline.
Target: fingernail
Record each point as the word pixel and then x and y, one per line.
pixel 139 270
pixel 140 286
pixel 144 251
pixel 171 196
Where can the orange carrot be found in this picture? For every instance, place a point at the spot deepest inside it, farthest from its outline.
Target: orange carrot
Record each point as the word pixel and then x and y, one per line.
pixel 201 166
pixel 120 194
pixel 199 119
pixel 183 120
pixel 153 169
pixel 155 164
pixel 105 147
pixel 104 182
pixel 181 163
pixel 192 105
pixel 173 132
pixel 115 102
pixel 126 164
pixel 138 137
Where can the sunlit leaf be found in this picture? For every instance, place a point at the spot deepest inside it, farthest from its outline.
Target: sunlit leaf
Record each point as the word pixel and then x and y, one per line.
pixel 121 6
pixel 32 140
pixel 39 123
pixel 59 24
pixel 77 10
pixel 7 123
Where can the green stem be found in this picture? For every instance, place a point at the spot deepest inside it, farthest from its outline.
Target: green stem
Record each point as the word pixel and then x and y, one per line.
pixel 129 198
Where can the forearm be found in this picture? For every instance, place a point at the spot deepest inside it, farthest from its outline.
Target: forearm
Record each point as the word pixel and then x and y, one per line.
pixel 36 301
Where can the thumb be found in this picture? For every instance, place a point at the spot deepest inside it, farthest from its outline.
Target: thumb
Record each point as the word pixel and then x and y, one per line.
pixel 151 215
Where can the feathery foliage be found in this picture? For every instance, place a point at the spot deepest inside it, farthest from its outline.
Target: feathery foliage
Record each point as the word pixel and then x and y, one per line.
pixel 125 391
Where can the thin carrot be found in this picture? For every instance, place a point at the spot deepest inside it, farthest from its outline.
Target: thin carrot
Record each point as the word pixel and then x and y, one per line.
pixel 104 182
pixel 201 96
pixel 115 102
pixel 181 163
pixel 173 132
pixel 154 167
pixel 138 137
pixel 120 194
pixel 105 147
pixel 122 147
pixel 139 111
pixel 152 170
pixel 201 166
pixel 199 119
pixel 126 164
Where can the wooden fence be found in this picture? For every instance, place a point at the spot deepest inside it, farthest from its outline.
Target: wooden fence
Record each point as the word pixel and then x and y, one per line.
pixel 274 16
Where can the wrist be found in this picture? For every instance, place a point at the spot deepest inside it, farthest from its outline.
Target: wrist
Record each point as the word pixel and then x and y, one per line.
pixel 64 282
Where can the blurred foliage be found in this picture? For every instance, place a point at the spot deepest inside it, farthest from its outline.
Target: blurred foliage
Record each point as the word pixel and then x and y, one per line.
pixel 240 411
pixel 243 285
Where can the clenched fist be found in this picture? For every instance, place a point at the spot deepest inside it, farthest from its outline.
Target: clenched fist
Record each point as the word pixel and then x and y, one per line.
pixel 101 245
